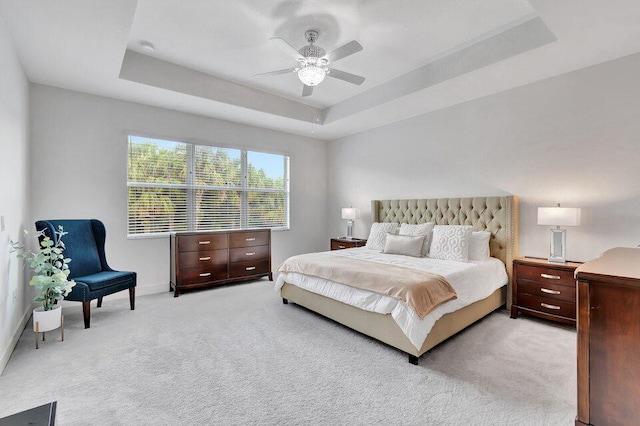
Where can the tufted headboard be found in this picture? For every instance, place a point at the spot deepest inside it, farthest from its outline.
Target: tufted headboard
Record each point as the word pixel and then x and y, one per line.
pixel 498 215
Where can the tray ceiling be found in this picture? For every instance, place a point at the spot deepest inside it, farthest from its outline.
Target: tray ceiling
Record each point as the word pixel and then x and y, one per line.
pixel 417 57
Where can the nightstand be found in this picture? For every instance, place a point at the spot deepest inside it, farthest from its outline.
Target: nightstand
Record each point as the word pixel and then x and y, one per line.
pixel 341 243
pixel 545 290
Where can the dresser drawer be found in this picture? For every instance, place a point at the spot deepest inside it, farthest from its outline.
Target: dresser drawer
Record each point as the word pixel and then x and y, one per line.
pixel 248 268
pixel 549 306
pixel 248 254
pixel 546 275
pixel 203 274
pixel 248 239
pixel 547 290
pixel 202 242
pixel 192 259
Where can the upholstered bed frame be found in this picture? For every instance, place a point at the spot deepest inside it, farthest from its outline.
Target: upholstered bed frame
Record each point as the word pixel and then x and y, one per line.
pixel 498 215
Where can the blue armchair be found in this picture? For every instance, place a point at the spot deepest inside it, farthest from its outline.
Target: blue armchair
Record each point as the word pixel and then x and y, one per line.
pixel 84 245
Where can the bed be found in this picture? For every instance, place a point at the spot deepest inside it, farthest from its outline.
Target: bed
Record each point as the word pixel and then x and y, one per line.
pixel 498 215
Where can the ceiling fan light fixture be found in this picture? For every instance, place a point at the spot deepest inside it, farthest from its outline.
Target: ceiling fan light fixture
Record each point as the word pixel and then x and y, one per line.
pixel 311 75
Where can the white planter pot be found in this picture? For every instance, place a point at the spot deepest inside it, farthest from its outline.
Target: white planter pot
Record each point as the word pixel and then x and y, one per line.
pixel 47 320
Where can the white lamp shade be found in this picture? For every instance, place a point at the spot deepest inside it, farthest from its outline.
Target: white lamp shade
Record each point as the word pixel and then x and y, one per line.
pixel 349 213
pixel 559 216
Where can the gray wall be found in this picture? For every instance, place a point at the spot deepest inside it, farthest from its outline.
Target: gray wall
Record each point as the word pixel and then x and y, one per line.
pixel 15 294
pixel 572 139
pixel 79 170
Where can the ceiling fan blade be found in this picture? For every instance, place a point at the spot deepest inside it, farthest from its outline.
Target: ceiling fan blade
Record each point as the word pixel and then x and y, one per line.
pixel 344 51
pixel 286 47
pixel 307 90
pixel 348 77
pixel 287 71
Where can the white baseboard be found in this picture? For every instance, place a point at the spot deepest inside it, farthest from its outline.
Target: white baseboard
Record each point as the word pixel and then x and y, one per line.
pixel 14 339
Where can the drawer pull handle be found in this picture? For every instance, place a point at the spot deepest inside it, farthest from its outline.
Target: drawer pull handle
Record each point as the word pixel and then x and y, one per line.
pixel 252 253
pixel 545 305
pixel 206 274
pixel 204 242
pixel 250 268
pixel 250 239
pixel 205 258
pixel 551 277
pixel 341 247
pixel 546 290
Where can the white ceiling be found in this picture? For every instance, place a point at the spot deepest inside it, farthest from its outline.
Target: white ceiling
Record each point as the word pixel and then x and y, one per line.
pixel 418 56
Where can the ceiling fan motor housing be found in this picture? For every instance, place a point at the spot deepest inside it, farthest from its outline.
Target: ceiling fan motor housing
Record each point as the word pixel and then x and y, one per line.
pixel 312 51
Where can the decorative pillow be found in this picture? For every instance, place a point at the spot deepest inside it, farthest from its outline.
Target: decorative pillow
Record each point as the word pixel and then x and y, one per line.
pixel 451 242
pixel 479 245
pixel 404 244
pixel 378 235
pixel 421 230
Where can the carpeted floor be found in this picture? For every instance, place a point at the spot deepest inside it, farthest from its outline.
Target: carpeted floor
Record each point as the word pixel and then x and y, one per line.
pixel 237 356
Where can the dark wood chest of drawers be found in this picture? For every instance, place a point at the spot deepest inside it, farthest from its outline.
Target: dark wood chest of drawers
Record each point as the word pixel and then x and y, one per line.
pixel 544 289
pixel 609 339
pixel 204 259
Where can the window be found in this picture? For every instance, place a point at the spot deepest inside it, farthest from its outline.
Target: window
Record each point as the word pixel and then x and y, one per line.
pixel 175 186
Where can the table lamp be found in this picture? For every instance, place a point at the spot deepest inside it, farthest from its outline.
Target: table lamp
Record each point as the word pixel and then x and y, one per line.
pixel 350 214
pixel 558 216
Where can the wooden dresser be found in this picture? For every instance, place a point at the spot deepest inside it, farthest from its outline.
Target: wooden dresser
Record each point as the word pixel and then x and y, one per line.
pixel 545 290
pixel 205 259
pixel 609 339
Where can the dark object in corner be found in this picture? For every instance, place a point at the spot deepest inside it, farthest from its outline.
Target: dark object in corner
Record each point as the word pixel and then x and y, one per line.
pixel 413 359
pixel 285 301
pixel 44 415
pixel 84 245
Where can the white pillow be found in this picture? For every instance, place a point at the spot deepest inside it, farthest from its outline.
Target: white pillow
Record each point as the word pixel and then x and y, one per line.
pixel 479 245
pixel 404 244
pixel 378 235
pixel 421 230
pixel 451 242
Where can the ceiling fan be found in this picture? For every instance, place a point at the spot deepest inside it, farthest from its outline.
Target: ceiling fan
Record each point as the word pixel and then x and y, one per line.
pixel 313 63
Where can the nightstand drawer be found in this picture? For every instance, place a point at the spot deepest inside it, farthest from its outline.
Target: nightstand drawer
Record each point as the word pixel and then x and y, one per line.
pixel 338 244
pixel 547 290
pixel 546 275
pixel 547 305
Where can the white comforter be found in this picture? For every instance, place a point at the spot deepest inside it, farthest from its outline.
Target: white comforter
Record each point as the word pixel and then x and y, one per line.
pixel 472 282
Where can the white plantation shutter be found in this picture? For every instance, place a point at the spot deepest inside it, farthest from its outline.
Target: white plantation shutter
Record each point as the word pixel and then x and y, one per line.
pixel 175 186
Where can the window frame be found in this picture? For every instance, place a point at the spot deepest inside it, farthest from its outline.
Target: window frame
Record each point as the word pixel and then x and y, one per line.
pixel 244 189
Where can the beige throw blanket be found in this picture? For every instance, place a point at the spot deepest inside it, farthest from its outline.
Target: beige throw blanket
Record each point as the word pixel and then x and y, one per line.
pixel 422 291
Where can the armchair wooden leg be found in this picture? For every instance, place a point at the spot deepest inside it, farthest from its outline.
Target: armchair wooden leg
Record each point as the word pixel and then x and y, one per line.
pixel 86 313
pixel 99 302
pixel 132 298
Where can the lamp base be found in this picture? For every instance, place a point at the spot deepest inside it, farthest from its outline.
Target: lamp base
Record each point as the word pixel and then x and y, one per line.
pixel 349 230
pixel 557 249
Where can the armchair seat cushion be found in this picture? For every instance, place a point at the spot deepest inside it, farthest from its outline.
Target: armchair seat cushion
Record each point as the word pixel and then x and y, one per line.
pixel 104 279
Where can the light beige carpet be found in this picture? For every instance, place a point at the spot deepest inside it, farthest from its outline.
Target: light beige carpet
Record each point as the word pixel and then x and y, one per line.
pixel 237 356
